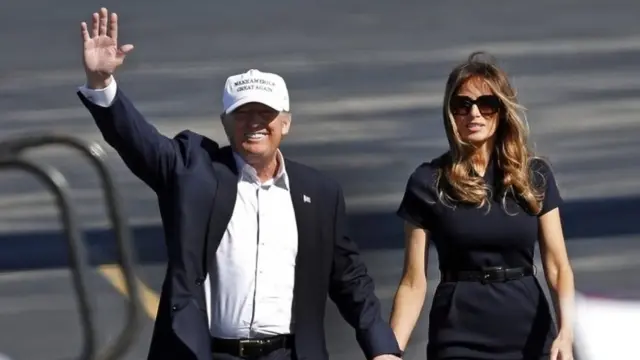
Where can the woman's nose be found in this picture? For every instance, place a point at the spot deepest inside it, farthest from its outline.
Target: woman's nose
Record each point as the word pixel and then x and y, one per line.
pixel 475 112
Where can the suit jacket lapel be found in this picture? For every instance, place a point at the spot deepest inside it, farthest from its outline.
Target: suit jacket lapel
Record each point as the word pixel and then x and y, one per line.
pixel 222 205
pixel 302 197
pixel 223 172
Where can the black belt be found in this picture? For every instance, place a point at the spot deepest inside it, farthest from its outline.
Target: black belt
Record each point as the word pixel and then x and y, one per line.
pixel 487 274
pixel 251 347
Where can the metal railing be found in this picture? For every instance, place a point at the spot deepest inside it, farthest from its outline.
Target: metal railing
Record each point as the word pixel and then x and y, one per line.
pixel 11 158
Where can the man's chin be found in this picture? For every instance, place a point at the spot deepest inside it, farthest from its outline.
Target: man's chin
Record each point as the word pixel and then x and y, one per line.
pixel 255 149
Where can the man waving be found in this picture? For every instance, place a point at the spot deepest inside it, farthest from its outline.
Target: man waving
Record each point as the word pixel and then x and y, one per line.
pixel 255 241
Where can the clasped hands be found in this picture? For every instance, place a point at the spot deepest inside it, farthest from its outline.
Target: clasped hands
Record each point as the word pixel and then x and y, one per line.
pixel 386 357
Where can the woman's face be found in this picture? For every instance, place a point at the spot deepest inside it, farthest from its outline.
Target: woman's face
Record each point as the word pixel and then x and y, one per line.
pixel 476 112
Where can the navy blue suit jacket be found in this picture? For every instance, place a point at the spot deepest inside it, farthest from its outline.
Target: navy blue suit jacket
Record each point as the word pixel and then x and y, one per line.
pixel 195 181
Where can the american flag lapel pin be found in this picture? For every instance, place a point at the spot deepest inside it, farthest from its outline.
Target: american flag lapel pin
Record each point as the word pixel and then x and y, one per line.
pixel 306 199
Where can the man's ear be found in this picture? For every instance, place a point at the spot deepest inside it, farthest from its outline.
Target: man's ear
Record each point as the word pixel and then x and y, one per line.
pixel 286 123
pixel 225 119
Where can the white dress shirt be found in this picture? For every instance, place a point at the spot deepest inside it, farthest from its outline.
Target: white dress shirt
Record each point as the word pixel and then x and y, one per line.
pixel 256 260
pixel 253 288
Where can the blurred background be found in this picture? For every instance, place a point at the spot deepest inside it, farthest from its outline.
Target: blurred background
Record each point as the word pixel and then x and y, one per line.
pixel 366 80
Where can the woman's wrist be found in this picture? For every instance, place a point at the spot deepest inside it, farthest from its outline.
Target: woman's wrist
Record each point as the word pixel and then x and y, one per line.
pixel 566 333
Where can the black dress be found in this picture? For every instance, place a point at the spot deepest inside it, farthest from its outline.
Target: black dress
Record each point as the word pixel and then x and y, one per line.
pixel 474 320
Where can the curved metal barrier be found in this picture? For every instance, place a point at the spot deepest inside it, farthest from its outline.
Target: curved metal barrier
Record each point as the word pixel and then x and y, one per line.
pixel 11 151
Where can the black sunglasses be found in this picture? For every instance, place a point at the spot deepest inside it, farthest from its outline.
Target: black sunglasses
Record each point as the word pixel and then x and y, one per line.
pixel 487 104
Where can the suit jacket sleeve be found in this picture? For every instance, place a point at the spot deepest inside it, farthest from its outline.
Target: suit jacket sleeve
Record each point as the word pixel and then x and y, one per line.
pixel 352 290
pixel 148 154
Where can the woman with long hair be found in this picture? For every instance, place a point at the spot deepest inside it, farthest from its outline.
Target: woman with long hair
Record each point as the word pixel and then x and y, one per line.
pixel 484 204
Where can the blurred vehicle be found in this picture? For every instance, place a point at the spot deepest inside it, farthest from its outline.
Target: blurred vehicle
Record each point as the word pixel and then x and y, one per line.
pixel 607 329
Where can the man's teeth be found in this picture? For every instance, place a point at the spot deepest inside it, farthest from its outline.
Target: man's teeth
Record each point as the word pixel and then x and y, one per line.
pixel 255 135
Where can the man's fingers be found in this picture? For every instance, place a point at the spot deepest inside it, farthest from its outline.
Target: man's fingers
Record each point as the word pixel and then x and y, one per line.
pixel 84 31
pixel 103 21
pixel 102 25
pixel 95 24
pixel 113 27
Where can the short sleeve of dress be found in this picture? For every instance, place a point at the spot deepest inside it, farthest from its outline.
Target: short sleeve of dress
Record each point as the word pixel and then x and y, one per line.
pixel 544 179
pixel 419 199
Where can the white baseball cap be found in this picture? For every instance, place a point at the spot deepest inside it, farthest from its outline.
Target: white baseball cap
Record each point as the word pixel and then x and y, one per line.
pixel 255 86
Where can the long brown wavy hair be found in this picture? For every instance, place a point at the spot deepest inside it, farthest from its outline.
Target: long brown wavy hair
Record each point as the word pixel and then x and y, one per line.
pixel 457 181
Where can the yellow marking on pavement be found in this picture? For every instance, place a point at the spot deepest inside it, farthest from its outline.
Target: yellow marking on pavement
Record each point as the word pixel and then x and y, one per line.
pixel 149 298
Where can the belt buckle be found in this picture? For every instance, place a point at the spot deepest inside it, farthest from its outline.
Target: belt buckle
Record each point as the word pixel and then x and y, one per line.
pixel 488 271
pixel 241 348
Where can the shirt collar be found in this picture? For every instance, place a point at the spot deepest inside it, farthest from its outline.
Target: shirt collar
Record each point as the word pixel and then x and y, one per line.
pixel 248 173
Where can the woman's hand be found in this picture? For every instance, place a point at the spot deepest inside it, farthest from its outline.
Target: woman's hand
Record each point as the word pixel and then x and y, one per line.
pixel 562 348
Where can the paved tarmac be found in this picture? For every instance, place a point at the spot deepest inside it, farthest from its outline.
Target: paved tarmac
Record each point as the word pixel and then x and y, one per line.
pixel 366 80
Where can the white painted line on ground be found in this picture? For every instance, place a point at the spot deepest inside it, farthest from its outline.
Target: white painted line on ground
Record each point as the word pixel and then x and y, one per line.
pixel 352 105
pixel 34 275
pixel 53 224
pixel 27 80
pixel 586 264
pixel 603 263
pixel 37 302
pixel 583 264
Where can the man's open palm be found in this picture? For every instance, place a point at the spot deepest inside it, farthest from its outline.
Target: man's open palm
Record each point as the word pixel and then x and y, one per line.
pixel 101 52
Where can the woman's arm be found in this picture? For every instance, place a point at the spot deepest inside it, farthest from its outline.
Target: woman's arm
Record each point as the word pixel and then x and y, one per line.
pixel 557 269
pixel 409 299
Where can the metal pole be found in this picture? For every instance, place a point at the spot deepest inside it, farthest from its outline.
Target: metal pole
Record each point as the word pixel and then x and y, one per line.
pixel 57 184
pixel 10 151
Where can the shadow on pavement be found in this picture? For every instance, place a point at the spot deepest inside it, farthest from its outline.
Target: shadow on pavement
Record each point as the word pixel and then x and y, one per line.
pixel 582 219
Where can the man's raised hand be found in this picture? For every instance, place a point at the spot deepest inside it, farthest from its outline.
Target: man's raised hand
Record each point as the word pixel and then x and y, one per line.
pixel 101 52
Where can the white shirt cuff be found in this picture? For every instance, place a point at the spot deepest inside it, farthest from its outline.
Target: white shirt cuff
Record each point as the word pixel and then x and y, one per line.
pixel 101 97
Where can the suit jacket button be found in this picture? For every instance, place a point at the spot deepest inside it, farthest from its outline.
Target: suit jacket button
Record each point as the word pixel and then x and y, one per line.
pixel 174 308
pixel 199 281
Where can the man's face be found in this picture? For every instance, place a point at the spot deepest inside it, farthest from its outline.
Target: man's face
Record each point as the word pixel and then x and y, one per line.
pixel 256 130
